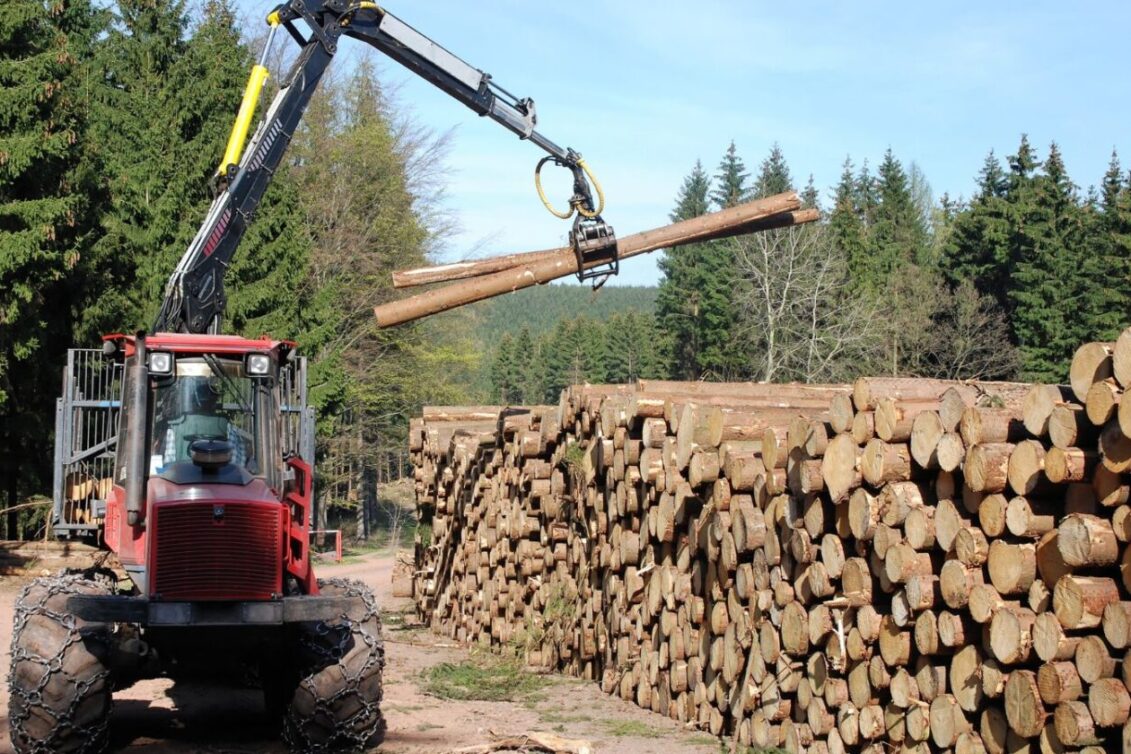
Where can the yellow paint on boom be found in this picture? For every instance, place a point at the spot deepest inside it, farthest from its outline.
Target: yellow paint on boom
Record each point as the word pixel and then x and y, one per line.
pixel 243 120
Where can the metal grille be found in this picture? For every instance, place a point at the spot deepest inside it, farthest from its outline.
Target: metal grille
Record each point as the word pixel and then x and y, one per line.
pixel 200 555
pixel 86 436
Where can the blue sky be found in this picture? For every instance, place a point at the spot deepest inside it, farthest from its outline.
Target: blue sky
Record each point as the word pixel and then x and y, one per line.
pixel 643 89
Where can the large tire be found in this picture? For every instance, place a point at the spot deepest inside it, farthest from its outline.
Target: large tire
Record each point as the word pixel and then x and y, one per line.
pixel 337 704
pixel 59 683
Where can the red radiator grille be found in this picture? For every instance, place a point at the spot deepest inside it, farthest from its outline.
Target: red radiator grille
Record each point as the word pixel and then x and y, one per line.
pixel 202 553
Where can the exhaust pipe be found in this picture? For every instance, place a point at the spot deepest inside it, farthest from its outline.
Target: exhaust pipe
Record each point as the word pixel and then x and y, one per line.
pixel 136 414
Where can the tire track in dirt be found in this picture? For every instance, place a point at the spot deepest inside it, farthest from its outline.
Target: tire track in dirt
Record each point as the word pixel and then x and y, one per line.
pixel 190 718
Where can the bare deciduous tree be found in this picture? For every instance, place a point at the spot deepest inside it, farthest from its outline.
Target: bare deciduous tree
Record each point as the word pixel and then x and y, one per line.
pixel 971 338
pixel 799 318
pixel 930 330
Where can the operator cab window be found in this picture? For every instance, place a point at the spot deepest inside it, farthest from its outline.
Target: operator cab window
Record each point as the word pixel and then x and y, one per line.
pixel 204 400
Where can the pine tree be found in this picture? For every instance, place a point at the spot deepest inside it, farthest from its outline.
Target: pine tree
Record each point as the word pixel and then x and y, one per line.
pixel 48 194
pixel 773 175
pixel 730 182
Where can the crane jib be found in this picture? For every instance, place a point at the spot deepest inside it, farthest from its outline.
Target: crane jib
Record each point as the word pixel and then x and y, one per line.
pixel 194 298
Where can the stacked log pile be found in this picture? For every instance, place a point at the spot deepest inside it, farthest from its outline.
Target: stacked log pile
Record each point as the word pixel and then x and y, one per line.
pixel 894 565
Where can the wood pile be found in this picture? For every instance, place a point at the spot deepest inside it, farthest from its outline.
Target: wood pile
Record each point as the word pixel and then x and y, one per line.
pixel 895 565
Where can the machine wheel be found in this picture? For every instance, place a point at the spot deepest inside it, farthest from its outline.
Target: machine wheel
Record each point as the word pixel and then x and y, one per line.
pixel 59 683
pixel 336 705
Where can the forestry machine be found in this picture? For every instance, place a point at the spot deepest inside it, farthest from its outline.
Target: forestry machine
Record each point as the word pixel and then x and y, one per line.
pixel 187 454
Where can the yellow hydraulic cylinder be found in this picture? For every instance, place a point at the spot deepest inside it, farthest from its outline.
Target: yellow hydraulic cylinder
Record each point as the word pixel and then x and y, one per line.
pixel 243 120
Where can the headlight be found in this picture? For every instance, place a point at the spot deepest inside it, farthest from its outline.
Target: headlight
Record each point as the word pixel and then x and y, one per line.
pixel 160 363
pixel 258 364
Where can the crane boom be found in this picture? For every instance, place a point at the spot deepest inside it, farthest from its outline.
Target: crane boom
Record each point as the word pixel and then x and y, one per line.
pixel 194 295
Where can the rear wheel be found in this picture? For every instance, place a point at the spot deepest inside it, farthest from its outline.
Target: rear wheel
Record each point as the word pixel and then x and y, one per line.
pixel 59 683
pixel 337 703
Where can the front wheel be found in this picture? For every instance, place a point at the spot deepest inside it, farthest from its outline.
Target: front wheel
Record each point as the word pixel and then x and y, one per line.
pixel 59 683
pixel 337 703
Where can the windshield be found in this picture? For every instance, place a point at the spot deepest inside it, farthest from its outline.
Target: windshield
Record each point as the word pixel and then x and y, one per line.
pixel 209 398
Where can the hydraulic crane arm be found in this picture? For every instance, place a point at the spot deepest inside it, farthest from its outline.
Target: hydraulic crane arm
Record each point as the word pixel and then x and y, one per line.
pixel 194 295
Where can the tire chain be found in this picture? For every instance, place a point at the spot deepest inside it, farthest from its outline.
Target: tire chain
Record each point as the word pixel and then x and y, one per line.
pixel 93 736
pixel 329 644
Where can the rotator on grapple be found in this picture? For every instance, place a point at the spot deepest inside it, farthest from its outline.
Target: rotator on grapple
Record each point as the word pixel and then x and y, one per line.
pixel 187 453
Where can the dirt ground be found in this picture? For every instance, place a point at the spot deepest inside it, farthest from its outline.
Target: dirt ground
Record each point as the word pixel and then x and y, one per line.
pixel 153 716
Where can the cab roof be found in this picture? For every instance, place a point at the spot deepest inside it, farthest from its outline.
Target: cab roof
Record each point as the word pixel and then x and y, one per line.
pixel 190 343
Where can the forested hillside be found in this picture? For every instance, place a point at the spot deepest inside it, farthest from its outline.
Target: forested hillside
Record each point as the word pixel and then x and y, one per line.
pixel 539 309
pixel 112 121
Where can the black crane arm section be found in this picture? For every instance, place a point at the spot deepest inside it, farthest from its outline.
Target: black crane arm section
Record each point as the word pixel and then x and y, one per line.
pixel 194 295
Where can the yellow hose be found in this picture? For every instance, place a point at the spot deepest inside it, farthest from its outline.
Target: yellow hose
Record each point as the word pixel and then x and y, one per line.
pixel 580 210
pixel 596 187
pixel 542 194
pixel 347 17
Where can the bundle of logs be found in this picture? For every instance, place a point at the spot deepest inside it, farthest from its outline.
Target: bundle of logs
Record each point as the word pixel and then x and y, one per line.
pixel 895 565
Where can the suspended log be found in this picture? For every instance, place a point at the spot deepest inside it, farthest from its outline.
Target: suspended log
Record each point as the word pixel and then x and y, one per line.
pixel 777 211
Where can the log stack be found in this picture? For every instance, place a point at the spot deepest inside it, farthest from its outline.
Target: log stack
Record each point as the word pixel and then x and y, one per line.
pixel 893 565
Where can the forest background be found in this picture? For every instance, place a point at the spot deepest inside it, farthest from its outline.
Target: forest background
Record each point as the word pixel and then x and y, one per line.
pixel 112 120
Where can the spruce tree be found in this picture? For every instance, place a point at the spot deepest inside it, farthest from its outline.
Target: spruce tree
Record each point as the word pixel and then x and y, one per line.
pixel 694 308
pixel 502 370
pixel 867 197
pixel 810 197
pixel 1111 187
pixel 575 354
pixel 266 286
pixel 48 193
pixel 730 182
pixel 1106 259
pixel 978 246
pixel 992 181
pixel 1052 310
pixel 678 302
pixel 170 94
pixel 898 233
pixel 632 352
pixel 847 227
pixel 526 375
pixel 773 175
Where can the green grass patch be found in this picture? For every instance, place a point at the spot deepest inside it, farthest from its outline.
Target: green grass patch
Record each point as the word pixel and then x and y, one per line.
pixel 558 717
pixel 704 739
pixel 483 677
pixel 634 728
pixel 404 708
